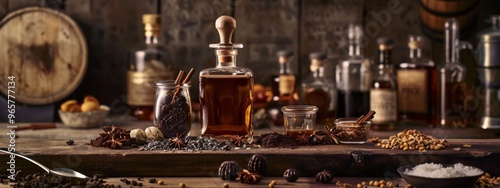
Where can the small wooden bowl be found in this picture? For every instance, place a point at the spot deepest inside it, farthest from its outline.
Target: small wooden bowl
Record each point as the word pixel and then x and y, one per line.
pixel 419 181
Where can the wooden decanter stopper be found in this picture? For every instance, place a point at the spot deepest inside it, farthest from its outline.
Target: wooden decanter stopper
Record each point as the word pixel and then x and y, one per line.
pixel 225 25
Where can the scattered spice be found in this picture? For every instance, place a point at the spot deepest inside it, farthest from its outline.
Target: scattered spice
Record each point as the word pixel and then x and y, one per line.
pixel 249 177
pixel 152 180
pixel 487 181
pixel 238 140
pixel 467 146
pixel 225 185
pixel 160 182
pixel 342 184
pixel 291 175
pixel 379 183
pixel 113 137
pixel 190 144
pixel 303 139
pixel 70 142
pixel 457 149
pixel 329 135
pixel 182 185
pixel 276 140
pixel 412 140
pixel 272 184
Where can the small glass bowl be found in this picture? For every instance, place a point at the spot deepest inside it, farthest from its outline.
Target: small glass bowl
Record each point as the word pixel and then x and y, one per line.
pixel 352 132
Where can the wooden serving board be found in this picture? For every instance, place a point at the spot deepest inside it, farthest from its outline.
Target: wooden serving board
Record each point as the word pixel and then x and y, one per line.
pixel 49 147
pixel 45 51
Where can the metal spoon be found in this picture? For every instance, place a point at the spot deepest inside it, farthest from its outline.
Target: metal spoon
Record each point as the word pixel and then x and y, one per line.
pixel 58 171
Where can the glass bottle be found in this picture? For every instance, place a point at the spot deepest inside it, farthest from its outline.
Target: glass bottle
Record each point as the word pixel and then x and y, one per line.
pixel 300 120
pixel 319 91
pixel 172 112
pixel 286 77
pixel 383 89
pixel 452 86
pixel 353 76
pixel 416 86
pixel 283 87
pixel 147 65
pixel 226 90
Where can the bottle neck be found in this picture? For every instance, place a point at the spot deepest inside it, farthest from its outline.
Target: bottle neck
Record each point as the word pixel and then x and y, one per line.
pixel 384 57
pixel 151 40
pixel 226 57
pixel 318 73
pixel 354 49
pixel 285 68
pixel 415 53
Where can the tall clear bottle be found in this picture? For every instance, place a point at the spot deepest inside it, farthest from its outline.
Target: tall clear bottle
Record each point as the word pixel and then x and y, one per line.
pixel 226 90
pixel 319 91
pixel 383 92
pixel 452 86
pixel 353 76
pixel 416 86
pixel 148 64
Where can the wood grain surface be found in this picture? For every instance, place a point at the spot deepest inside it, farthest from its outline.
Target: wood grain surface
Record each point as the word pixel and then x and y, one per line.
pixel 45 51
pixel 49 147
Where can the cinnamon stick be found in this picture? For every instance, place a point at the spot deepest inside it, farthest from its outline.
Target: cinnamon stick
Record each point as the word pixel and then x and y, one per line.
pixel 178 82
pixel 366 117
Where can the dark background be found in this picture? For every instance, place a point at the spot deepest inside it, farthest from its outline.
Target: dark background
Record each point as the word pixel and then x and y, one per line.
pixel 113 27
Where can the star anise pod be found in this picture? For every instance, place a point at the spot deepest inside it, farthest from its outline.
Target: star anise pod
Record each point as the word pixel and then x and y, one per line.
pixel 303 139
pixel 248 177
pixel 237 140
pixel 329 134
pixel 177 142
pixel 113 144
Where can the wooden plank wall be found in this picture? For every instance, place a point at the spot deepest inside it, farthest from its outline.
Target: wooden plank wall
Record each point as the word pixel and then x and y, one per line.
pixel 113 27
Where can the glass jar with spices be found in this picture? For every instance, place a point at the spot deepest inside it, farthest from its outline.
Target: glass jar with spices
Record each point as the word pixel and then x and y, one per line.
pixel 172 112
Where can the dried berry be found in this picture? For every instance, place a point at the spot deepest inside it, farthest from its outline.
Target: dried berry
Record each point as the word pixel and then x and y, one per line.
pixel 291 175
pixel 315 140
pixel 229 170
pixel 324 177
pixel 249 177
pixel 70 142
pixel 258 163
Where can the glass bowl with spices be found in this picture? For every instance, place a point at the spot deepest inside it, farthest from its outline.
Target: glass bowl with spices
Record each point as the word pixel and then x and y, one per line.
pixel 172 112
pixel 351 131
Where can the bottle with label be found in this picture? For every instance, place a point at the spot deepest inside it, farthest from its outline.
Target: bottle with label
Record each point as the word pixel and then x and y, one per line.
pixel 416 86
pixel 319 91
pixel 147 65
pixel 283 88
pixel 226 90
pixel 383 89
pixel 353 77
pixel 451 81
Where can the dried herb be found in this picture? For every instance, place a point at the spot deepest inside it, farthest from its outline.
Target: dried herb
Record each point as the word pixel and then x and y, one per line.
pixel 191 144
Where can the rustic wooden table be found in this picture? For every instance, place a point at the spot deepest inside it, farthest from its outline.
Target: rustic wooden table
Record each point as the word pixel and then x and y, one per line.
pixel 350 163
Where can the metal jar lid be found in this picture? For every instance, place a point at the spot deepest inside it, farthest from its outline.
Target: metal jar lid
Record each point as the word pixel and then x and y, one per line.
pixel 493 34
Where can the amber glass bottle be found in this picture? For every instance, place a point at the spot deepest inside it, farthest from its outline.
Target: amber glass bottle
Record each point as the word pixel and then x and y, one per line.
pixel 283 88
pixel 148 64
pixel 416 86
pixel 226 90
pixel 383 89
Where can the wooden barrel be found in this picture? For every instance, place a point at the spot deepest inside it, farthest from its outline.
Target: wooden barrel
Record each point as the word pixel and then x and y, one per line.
pixel 448 6
pixel 434 13
pixel 45 51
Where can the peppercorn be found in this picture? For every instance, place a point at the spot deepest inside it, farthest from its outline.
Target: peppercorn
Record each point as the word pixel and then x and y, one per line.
pixel 291 175
pixel 152 180
pixel 70 142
